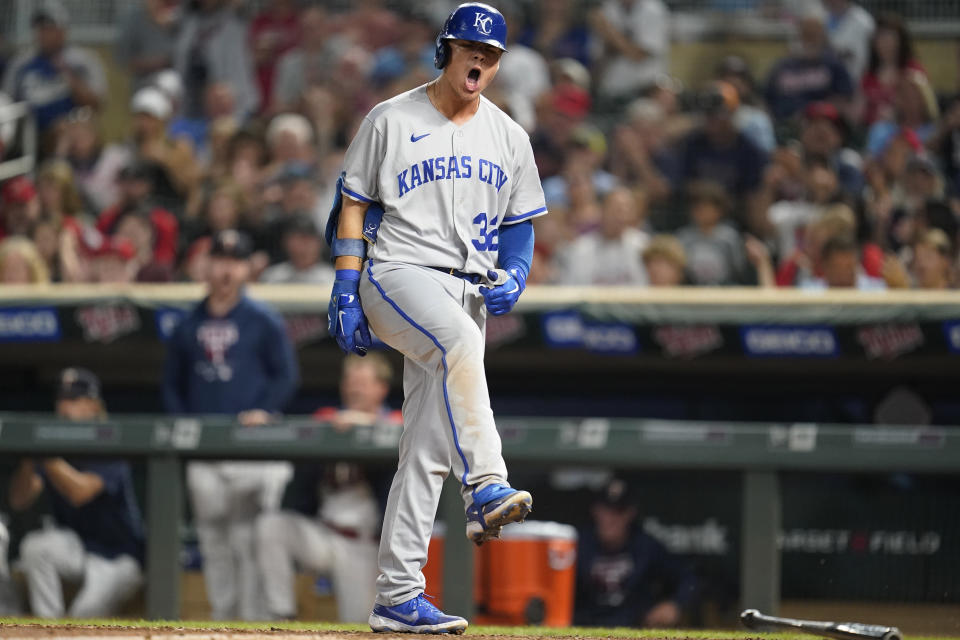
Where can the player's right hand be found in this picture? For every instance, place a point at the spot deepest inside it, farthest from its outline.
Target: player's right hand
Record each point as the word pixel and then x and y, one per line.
pixel 345 319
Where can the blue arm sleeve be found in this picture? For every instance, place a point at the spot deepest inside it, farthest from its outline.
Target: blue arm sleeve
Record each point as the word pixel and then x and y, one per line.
pixel 516 246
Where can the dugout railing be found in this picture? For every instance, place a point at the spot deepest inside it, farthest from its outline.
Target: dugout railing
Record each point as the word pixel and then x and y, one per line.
pixel 760 452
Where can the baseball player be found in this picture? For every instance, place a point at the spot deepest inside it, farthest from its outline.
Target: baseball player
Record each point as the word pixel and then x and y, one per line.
pixel 444 185
pixel 231 355
pixel 331 517
pixel 97 539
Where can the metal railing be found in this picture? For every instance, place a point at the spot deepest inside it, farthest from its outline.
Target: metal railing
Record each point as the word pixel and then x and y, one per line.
pixel 758 451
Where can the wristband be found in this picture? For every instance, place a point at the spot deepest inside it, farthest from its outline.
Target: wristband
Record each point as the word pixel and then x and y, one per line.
pixel 348 274
pixel 350 247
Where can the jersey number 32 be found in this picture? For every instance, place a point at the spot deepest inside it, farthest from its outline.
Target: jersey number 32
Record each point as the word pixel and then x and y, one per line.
pixel 488 235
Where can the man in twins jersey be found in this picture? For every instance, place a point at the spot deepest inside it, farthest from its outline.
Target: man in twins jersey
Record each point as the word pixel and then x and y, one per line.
pixel 456 180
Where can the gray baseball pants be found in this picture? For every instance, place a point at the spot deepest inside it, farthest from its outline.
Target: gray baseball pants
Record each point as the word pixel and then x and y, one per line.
pixel 49 556
pixel 436 320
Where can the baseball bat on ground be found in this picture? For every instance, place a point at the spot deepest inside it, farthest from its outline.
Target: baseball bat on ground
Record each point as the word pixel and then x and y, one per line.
pixel 753 619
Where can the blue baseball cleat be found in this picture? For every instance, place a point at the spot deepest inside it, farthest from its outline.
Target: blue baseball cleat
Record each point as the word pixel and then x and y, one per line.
pixel 417 615
pixel 494 506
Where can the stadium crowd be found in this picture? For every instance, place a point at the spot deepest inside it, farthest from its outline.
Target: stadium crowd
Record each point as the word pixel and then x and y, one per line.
pixel 837 169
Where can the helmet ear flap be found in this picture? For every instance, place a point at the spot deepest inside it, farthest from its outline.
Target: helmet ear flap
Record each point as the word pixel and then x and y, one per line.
pixel 442 54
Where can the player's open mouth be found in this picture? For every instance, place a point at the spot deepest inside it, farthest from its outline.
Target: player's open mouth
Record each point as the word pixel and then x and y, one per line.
pixel 473 79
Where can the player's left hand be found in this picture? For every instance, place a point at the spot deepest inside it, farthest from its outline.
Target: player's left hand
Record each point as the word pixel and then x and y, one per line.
pixel 501 298
pixel 345 317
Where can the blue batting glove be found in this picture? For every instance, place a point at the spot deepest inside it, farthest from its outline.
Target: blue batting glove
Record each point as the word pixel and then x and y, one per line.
pixel 345 315
pixel 501 298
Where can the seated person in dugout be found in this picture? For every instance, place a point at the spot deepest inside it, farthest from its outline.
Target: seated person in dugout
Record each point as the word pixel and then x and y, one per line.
pixel 626 578
pixel 97 541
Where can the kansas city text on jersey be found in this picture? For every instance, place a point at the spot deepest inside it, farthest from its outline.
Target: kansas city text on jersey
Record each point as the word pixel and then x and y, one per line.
pixel 448 168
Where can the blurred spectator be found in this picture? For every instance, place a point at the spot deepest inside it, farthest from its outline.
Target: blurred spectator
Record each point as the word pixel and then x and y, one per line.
pixel 915 114
pixel 113 261
pixel 805 266
pixel 61 209
pixel 273 32
pixel 945 143
pixel 21 263
pixel 891 55
pixel 787 219
pixel 897 225
pixel 849 28
pixel 134 199
pixel 717 152
pixel 95 164
pixel 299 198
pixel 665 262
pixel 303 249
pixel 308 64
pixel 715 252
pixel 625 577
pixel 640 155
pixel 558 113
pixel 218 107
pixel 331 518
pixel 20 208
pixel 213 48
pixel 584 154
pixel 635 40
pixel 932 264
pixel 558 29
pixel 98 538
pixel 752 120
pixel 196 261
pixel 412 54
pixel 231 355
pixel 812 73
pixel 523 76
pixel 146 37
pixel 840 267
pixel 139 231
pixel 53 76
pixel 824 134
pixel 611 255
pixel 290 140
pixel 171 162
pixel 937 214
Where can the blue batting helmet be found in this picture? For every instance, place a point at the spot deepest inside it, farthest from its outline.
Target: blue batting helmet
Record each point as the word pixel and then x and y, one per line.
pixel 473 21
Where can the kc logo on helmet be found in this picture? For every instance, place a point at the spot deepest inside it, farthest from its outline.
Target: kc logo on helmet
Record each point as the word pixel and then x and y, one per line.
pixel 482 22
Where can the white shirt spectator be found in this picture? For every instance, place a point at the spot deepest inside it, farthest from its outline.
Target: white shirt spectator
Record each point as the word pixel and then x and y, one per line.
pixel 593 259
pixel 850 33
pixel 646 23
pixel 790 218
pixel 523 76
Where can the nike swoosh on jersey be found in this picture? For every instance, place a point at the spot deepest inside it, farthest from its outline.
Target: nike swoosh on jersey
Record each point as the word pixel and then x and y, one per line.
pixel 414 138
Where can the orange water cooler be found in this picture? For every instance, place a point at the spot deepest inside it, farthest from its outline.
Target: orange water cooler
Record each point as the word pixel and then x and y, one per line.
pixel 527 577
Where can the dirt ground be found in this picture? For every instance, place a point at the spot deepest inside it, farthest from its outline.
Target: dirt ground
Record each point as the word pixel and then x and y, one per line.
pixel 32 632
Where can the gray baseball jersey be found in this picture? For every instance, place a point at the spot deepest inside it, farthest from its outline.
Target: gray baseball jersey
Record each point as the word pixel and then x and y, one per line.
pixel 445 189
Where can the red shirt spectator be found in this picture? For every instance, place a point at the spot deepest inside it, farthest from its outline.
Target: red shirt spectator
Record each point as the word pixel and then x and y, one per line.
pixel 273 32
pixel 165 225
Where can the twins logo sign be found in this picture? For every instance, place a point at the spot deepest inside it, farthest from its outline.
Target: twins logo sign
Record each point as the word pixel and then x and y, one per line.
pixel 482 22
